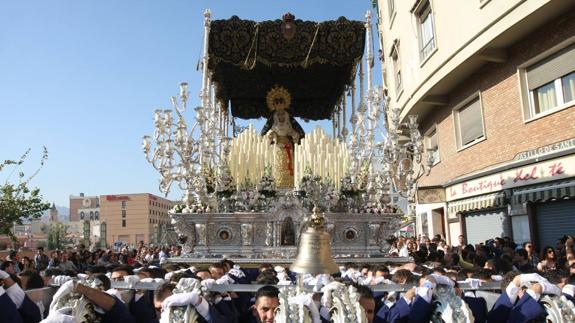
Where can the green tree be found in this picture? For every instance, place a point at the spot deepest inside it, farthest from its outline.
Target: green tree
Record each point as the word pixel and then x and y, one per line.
pixel 57 236
pixel 17 200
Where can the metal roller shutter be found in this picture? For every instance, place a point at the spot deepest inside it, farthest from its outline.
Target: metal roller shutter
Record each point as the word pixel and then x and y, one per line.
pixel 555 219
pixel 481 226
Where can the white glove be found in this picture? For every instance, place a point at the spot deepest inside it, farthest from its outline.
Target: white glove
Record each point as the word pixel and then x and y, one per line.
pixel 2 291
pixel 497 278
pixel 307 301
pixel 325 279
pixel 327 290
pixel 284 282
pixel 443 280
pixel 569 290
pixel 131 280
pixel 548 288
pixel 60 316
pixel 225 280
pixel 64 290
pixel 527 278
pixel 352 274
pixel 82 277
pixel 378 280
pixel 474 283
pixel 425 292
pixel 59 280
pixel 4 275
pixel 533 294
pixel 279 269
pixel 16 294
pixel 186 283
pixel 512 290
pixel 182 299
pixel 237 272
pixel 169 275
pixel 207 284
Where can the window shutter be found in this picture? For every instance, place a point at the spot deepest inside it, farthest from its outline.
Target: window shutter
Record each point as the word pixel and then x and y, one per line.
pixel 470 122
pixel 551 68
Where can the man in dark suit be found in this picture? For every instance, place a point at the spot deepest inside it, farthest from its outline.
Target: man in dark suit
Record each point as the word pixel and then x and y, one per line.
pixel 267 301
pixel 28 311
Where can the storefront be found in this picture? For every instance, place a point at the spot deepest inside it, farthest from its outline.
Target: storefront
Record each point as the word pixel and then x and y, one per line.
pixel 550 208
pixel 482 217
pixel 528 200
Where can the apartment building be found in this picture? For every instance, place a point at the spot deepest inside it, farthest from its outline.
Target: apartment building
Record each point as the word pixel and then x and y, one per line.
pixel 493 84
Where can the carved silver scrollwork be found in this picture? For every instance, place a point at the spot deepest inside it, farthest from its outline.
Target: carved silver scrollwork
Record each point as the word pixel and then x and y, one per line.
pixel 449 306
pixel 201 232
pixel 374 234
pixel 331 231
pixel 269 234
pixel 186 232
pixel 559 309
pixel 247 234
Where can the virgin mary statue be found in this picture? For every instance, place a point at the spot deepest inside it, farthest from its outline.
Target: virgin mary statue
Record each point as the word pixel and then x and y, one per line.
pixel 284 132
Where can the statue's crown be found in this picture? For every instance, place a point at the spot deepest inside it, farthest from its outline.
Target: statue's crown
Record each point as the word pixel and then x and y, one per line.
pixel 278 98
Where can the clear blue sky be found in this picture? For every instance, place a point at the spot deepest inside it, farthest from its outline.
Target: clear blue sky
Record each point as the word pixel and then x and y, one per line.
pixel 83 79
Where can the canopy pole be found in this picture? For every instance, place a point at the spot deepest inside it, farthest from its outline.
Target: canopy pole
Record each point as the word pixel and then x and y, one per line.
pixel 369 62
pixel 344 119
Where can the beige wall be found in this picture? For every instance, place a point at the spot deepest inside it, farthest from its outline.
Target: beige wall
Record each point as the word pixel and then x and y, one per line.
pixel 463 31
pixel 76 203
pixel 143 211
pixel 506 131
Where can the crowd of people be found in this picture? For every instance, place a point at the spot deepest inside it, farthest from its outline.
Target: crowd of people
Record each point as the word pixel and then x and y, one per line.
pixel 524 276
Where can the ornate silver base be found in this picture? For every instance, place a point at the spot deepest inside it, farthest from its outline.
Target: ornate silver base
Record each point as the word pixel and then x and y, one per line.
pixel 275 235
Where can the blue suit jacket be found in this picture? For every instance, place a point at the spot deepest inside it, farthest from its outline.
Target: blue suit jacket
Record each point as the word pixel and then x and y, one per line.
pixel 119 313
pixel 478 307
pixel 223 312
pixel 501 309
pixel 417 311
pixel 29 311
pixel 8 310
pixel 143 311
pixel 526 310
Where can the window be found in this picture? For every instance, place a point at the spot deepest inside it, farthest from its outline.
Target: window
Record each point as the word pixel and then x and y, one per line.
pixel 426 33
pixel 123 204
pixel 468 122
pixel 96 215
pixel 431 144
pixel 551 83
pixel 396 67
pixel 91 215
pixel 81 215
pixel 123 218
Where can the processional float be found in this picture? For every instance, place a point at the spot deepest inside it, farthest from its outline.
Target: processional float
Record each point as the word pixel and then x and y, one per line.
pixel 248 194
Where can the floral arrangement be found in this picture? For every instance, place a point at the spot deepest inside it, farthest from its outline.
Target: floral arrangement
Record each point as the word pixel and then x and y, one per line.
pixel 210 179
pixel 224 184
pixel 349 189
pixel 195 208
pixel 267 184
pixel 374 208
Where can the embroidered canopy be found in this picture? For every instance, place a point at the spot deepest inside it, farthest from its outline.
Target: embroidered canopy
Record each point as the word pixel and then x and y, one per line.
pixel 313 61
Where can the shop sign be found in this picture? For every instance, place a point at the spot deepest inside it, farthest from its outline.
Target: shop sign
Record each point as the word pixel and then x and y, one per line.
pixel 526 175
pixel 545 150
pixel 117 198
